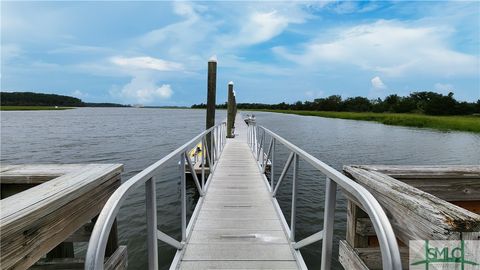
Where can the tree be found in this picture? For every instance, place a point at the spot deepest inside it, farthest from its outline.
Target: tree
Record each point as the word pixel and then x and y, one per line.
pixel 38 99
pixel 439 104
pixel 391 102
pixel 357 104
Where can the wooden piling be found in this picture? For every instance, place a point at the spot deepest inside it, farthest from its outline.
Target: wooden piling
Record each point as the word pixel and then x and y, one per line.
pixel 211 97
pixel 230 111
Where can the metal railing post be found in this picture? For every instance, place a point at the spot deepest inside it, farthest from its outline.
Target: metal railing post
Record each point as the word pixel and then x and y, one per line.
pixel 214 139
pixel 272 167
pixel 216 142
pixel 294 197
pixel 265 162
pixel 183 186
pixel 251 136
pixel 328 217
pixel 254 139
pixel 262 153
pixel 213 154
pixel 203 166
pixel 259 148
pixel 284 172
pixel 151 205
pixel 194 174
pixel 263 146
pixel 207 152
pixel 222 137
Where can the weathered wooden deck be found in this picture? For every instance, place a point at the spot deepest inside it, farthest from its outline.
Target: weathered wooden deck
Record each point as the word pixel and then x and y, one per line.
pixel 237 225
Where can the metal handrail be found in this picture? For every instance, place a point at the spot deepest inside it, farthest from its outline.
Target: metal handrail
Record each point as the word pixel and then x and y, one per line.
pixel 98 240
pixel 386 237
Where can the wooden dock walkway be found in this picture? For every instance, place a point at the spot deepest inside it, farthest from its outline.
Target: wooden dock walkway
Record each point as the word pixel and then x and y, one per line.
pixel 237 225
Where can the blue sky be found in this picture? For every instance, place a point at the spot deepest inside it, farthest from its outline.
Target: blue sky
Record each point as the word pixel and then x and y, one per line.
pixel 156 53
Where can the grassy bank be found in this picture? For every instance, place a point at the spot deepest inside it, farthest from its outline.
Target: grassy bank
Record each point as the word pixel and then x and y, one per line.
pixel 461 123
pixel 33 108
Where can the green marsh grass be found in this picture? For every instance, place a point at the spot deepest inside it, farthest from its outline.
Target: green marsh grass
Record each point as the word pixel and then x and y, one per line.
pixel 460 123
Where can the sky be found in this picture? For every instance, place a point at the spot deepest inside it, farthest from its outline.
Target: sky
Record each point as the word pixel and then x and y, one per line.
pixel 156 53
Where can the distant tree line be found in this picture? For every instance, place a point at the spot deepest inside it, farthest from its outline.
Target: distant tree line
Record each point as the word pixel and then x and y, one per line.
pixel 103 104
pixel 36 99
pixel 418 102
pixel 39 99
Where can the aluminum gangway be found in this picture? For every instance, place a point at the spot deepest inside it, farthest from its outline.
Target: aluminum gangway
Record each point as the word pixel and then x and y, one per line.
pixel 237 222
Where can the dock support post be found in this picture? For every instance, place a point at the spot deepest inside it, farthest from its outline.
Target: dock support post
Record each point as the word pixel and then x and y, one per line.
pixel 152 243
pixel 230 111
pixel 328 216
pixel 211 100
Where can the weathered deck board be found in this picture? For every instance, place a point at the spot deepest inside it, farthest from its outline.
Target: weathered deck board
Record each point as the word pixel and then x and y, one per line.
pixel 433 218
pixel 237 226
pixel 36 220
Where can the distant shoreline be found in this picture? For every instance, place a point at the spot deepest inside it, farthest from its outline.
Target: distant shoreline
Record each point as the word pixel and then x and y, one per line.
pixel 458 123
pixel 34 108
pixel 59 108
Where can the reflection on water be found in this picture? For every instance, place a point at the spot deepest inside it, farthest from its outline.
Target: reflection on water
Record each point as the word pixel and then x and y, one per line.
pixel 139 137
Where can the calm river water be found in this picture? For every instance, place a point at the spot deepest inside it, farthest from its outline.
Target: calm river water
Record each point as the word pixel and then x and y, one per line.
pixel 139 137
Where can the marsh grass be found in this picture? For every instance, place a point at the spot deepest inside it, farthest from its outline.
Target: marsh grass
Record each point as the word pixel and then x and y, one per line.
pixel 460 123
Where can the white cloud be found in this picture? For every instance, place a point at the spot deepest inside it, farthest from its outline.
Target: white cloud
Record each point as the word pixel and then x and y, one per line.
pixel 80 49
pixel 184 9
pixel 10 51
pixel 143 90
pixel 146 62
pixel 245 67
pixel 255 23
pixel 443 88
pixel 346 7
pixel 79 94
pixel 392 48
pixel 377 83
pixel 314 94
pixel 182 36
pixel 145 71
pixel 260 27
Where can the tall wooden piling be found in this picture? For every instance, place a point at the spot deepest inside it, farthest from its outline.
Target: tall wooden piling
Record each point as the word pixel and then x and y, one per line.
pixel 230 111
pixel 211 97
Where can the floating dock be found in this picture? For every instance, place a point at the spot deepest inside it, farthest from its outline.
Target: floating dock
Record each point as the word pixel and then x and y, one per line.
pixel 237 226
